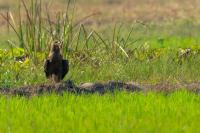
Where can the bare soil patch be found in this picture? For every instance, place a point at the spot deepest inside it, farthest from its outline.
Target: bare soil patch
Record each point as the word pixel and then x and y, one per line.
pixel 101 88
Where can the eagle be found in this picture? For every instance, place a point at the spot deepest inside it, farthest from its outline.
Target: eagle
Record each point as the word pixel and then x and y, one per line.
pixel 55 67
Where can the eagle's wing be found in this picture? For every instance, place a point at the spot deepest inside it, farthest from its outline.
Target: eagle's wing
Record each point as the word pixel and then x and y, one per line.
pixel 46 68
pixel 65 67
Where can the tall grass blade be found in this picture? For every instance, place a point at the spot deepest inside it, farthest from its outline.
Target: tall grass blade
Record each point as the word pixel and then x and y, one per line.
pixel 122 50
pixel 127 39
pixel 12 26
pixel 102 40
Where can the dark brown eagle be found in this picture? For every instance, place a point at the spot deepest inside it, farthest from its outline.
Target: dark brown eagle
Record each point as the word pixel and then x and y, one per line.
pixel 55 67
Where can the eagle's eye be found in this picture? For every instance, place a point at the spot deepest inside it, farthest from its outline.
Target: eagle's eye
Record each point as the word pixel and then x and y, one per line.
pixel 55 48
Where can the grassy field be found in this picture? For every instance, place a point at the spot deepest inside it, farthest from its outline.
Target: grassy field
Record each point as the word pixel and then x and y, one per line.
pixel 119 112
pixel 147 42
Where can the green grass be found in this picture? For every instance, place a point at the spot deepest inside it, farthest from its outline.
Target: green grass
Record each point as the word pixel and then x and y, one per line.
pixel 119 112
pixel 149 66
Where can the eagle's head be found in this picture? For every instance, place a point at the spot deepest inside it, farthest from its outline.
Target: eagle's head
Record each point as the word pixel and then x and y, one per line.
pixel 56 47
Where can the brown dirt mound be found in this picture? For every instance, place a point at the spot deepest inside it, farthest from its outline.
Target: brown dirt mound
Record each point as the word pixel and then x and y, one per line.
pixel 168 87
pixel 109 86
